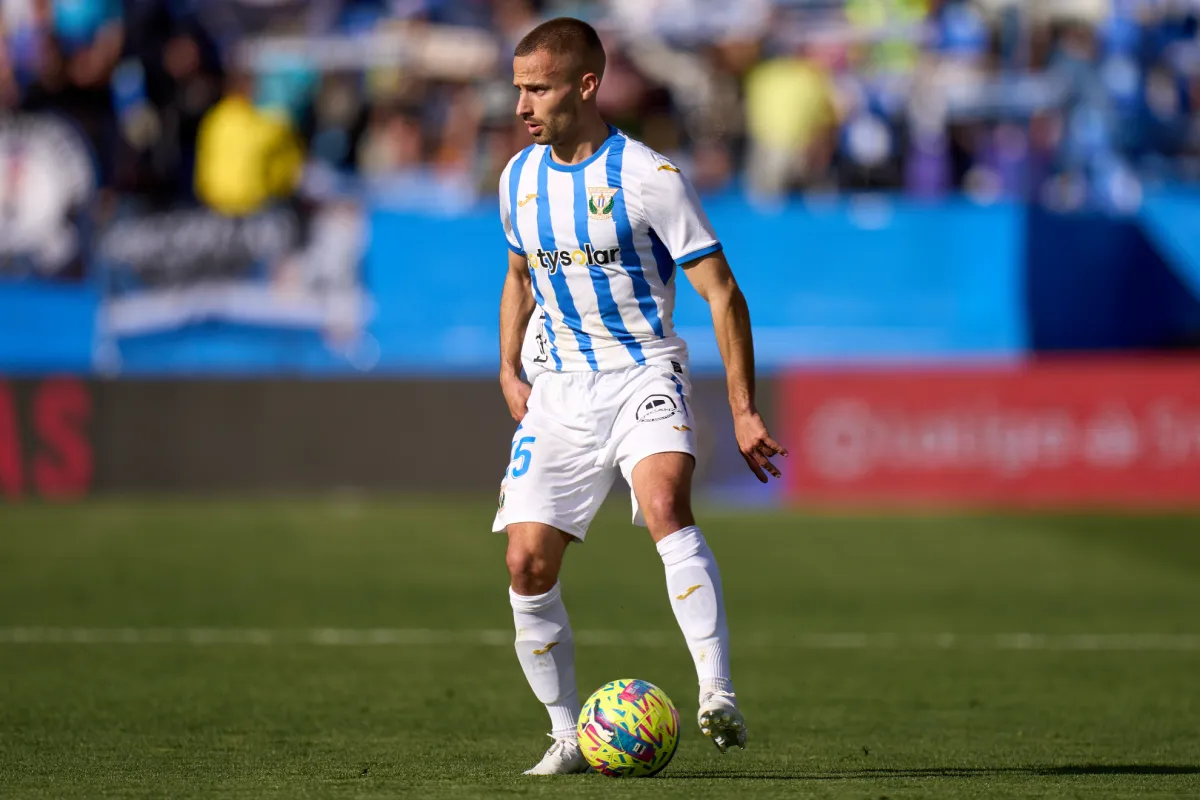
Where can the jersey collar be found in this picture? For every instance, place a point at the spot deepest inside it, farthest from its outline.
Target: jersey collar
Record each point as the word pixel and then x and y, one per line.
pixel 548 157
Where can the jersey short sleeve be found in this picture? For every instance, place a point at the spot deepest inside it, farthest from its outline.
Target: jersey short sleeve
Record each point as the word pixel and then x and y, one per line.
pixel 674 212
pixel 514 243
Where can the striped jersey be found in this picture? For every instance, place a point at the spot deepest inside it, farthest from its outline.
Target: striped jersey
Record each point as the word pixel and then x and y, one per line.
pixel 602 239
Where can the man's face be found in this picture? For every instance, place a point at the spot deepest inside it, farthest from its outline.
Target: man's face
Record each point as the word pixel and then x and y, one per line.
pixel 550 96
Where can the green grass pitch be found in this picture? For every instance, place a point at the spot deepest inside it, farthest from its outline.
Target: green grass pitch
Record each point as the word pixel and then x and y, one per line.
pixel 361 649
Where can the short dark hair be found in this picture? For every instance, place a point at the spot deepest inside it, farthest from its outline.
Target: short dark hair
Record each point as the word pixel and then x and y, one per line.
pixel 566 36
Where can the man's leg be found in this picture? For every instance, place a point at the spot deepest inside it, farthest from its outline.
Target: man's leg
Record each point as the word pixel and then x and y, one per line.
pixel 662 484
pixel 544 643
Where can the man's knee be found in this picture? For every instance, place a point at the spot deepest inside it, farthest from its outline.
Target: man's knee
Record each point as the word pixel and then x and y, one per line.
pixel 531 572
pixel 666 510
pixel 534 559
pixel 662 483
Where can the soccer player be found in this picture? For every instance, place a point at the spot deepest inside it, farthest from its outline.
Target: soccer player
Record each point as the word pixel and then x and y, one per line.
pixel 598 225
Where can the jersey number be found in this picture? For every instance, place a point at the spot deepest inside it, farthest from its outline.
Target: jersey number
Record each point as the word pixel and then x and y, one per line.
pixel 519 452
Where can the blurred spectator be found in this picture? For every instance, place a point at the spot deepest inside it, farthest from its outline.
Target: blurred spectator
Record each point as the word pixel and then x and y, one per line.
pixel 170 78
pixel 405 169
pixel 394 142
pixel 10 92
pixel 790 120
pixel 889 31
pixel 246 156
pixel 22 23
pixel 65 53
pixel 699 51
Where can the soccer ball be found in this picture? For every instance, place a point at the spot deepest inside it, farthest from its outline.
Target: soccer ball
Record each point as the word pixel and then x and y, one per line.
pixel 628 729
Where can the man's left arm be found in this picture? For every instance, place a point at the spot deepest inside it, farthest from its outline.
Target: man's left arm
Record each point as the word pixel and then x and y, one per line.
pixel 675 214
pixel 714 281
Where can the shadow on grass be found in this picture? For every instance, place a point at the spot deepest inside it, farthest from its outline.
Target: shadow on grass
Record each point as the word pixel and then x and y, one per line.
pixel 948 772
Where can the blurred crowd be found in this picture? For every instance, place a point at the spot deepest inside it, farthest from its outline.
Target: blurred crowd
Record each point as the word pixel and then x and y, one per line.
pixel 237 103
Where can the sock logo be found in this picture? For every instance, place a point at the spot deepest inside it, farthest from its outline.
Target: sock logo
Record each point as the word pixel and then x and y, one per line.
pixel 547 648
pixel 688 593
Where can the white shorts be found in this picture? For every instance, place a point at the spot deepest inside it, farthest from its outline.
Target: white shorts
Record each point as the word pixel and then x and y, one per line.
pixel 582 427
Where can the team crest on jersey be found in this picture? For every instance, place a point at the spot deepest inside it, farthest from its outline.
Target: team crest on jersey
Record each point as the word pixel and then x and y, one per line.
pixel 601 200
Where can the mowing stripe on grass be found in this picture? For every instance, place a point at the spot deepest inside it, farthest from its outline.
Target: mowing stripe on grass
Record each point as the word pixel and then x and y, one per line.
pixel 349 637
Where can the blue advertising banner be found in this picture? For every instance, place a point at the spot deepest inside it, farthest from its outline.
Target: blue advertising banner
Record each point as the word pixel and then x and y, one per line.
pixel 1172 219
pixel 860 280
pixel 191 290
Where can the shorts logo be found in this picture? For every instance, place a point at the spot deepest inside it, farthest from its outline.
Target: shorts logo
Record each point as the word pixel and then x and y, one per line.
pixel 601 200
pixel 656 407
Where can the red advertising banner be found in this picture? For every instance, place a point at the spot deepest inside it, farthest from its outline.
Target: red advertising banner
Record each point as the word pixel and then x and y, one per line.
pixel 45 439
pixel 1057 433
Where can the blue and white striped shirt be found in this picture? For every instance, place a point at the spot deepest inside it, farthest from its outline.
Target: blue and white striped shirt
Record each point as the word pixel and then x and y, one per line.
pixel 603 239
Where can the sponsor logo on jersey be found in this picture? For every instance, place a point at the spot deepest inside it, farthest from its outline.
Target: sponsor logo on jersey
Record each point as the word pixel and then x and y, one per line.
pixel 552 260
pixel 526 200
pixel 656 407
pixel 668 168
pixel 601 200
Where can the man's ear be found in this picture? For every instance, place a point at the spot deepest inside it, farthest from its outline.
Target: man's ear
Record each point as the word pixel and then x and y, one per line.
pixel 589 85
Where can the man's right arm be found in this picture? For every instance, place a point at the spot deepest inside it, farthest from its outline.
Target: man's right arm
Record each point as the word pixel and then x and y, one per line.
pixel 516 307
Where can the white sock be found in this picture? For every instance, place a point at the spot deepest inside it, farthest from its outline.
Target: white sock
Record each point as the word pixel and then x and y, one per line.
pixel 546 649
pixel 694 584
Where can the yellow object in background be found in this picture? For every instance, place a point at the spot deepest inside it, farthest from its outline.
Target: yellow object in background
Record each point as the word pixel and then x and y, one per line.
pixel 789 102
pixel 895 53
pixel 245 157
pixel 879 13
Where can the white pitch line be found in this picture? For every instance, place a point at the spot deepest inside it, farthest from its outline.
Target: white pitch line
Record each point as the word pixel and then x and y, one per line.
pixel 368 637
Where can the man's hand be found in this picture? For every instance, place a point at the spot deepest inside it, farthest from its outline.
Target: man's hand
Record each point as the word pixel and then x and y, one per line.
pixel 516 394
pixel 756 444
